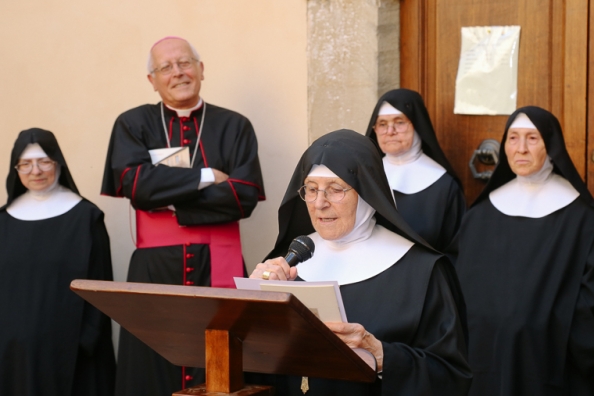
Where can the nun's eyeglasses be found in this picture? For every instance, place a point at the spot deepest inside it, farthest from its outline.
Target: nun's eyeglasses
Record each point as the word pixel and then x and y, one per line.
pixel 332 194
pixel 383 127
pixel 44 165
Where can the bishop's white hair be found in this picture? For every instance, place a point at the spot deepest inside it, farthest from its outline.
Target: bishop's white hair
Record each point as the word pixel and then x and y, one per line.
pixel 150 65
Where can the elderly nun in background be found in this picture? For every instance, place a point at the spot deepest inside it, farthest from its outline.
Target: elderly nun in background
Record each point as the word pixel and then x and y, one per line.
pixel 401 297
pixel 428 194
pixel 526 266
pixel 51 341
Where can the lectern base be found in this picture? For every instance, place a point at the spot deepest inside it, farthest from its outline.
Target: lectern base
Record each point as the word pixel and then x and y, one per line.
pixel 248 390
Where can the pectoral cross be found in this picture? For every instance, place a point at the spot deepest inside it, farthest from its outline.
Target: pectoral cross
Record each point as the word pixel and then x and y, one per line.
pixel 304 385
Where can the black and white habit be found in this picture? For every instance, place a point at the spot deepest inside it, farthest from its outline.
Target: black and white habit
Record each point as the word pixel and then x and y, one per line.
pixel 526 267
pixel 427 191
pixel 52 342
pixel 402 291
pixel 180 247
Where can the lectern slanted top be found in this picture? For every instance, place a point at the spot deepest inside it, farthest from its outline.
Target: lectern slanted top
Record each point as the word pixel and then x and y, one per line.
pixel 278 334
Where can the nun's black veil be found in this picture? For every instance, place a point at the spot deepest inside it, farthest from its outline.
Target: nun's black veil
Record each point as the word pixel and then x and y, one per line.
pixel 411 104
pixel 550 130
pixel 528 283
pixel 49 144
pixel 356 160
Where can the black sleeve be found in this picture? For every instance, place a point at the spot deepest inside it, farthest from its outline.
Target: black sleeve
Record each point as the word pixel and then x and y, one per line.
pixel 129 171
pixel 237 197
pixel 434 362
pixel 454 212
pixel 581 336
pixel 96 325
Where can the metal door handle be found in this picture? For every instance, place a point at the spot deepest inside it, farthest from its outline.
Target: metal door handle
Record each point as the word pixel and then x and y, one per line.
pixel 488 154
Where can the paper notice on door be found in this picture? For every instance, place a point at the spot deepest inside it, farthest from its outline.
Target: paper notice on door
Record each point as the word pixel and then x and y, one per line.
pixel 487 80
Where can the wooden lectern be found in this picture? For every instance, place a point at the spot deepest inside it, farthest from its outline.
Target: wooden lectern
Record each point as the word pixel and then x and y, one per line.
pixel 228 331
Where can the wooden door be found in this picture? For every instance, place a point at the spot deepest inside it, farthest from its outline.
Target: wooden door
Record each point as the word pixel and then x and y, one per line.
pixel 552 71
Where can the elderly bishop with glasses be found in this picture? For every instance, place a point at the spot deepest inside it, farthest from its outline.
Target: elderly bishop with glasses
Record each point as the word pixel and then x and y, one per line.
pixel 191 171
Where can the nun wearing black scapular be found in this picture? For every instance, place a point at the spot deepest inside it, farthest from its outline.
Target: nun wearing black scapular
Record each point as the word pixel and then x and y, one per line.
pixel 401 297
pixel 526 266
pixel 52 342
pixel 428 194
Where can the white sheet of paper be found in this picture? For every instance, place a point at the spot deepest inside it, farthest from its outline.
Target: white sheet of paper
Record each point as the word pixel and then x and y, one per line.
pixel 487 80
pixel 305 292
pixel 323 298
pixel 174 156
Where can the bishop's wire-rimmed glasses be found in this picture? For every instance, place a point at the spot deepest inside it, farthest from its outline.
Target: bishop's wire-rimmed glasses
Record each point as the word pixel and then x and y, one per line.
pixel 333 193
pixel 182 64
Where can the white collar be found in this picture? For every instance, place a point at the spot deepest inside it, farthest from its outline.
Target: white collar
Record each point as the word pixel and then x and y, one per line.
pixel 354 262
pixel 534 200
pixel 32 207
pixel 414 176
pixel 186 112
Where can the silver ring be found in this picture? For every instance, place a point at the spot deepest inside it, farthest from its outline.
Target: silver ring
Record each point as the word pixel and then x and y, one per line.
pixel 266 275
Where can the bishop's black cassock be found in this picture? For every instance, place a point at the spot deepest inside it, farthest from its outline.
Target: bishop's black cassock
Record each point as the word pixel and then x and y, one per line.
pixel 227 143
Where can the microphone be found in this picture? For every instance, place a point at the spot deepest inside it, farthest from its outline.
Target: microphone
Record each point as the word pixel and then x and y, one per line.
pixel 301 249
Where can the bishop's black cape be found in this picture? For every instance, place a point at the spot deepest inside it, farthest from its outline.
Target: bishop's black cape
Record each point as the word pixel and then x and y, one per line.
pixel 228 143
pixel 415 307
pixel 52 342
pixel 436 212
pixel 529 286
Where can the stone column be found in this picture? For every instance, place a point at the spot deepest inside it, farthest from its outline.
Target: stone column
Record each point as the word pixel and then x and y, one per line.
pixel 353 58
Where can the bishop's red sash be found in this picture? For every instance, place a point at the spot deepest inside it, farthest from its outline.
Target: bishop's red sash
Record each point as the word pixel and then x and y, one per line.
pixel 157 229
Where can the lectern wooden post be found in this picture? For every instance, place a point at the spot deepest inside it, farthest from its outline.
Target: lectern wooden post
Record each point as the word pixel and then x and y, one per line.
pixel 228 331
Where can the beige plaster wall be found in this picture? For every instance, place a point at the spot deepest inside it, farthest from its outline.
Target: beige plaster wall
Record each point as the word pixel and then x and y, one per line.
pixel 296 68
pixel 73 66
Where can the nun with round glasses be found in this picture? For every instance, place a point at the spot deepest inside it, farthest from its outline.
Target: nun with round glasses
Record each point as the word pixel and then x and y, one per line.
pixel 526 267
pixel 52 342
pixel 428 194
pixel 401 297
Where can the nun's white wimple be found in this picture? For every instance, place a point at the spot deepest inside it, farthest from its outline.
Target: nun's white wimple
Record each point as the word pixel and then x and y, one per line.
pixel 33 150
pixel 321 171
pixel 364 220
pixel 388 109
pixel 522 121
pixel 410 155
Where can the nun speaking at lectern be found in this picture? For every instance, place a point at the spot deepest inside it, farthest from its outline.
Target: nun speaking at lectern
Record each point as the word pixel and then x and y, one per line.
pixel 401 297
pixel 526 267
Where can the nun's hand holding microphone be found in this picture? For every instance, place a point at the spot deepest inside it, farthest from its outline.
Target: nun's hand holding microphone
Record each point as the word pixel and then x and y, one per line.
pixel 283 268
pixel 274 269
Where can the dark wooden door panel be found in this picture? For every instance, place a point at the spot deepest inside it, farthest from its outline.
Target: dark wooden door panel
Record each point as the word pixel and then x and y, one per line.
pixel 590 102
pixel 552 70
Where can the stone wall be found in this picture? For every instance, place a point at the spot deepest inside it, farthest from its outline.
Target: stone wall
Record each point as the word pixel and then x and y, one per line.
pixel 353 58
